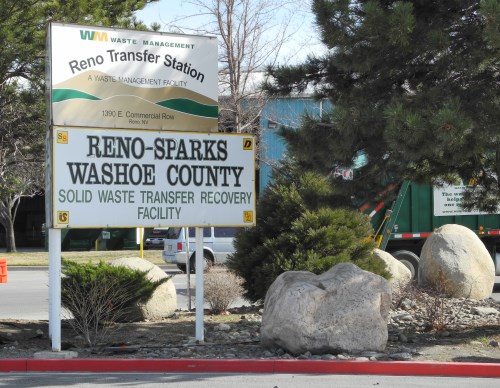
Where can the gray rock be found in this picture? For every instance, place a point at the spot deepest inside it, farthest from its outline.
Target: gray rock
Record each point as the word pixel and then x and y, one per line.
pixel 162 303
pixel 343 309
pixel 407 304
pixel 404 349
pixel 65 354
pixel 400 274
pixel 402 317
pixel 373 355
pixel 401 356
pixel 455 261
pixel 485 311
pixel 223 327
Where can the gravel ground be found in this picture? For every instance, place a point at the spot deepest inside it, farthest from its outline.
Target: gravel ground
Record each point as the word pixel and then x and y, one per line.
pixel 421 328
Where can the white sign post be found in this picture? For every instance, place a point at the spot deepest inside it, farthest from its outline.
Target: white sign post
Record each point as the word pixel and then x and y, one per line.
pixel 112 160
pixel 200 336
pixel 55 288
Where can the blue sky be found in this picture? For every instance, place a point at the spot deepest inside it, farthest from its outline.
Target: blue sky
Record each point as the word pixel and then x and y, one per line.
pixel 304 40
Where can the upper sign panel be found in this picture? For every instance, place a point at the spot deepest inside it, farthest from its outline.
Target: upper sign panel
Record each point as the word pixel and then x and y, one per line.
pixel 111 78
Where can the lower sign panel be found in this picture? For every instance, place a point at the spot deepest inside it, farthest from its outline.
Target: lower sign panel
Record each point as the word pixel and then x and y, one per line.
pixel 134 178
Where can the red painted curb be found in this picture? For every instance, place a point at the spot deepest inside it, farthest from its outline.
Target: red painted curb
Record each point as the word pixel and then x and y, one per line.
pixel 13 365
pixel 133 365
pixel 395 368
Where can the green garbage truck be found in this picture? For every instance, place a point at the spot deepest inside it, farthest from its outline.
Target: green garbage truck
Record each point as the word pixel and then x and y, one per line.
pixel 402 224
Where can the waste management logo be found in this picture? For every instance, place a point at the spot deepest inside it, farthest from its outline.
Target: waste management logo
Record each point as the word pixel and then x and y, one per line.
pixel 99 36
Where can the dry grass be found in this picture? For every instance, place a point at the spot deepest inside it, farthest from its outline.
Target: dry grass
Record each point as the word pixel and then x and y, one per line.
pixel 40 258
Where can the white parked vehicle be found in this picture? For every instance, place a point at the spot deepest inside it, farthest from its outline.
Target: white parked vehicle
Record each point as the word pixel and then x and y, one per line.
pixel 217 245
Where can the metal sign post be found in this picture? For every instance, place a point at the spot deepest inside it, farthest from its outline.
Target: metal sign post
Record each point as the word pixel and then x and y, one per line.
pixel 188 269
pixel 199 285
pixel 55 288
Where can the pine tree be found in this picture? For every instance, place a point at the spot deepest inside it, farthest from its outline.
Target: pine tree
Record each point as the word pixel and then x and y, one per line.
pixel 415 90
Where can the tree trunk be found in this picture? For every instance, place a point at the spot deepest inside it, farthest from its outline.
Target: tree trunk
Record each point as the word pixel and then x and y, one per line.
pixel 8 212
pixel 10 240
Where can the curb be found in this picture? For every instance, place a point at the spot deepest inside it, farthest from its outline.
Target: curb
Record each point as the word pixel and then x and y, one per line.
pixel 27 268
pixel 165 268
pixel 395 368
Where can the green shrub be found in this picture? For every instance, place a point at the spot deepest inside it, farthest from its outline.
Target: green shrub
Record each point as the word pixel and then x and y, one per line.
pixel 97 295
pixel 297 229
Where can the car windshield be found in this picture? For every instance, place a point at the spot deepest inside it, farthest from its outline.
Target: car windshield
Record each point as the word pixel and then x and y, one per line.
pixel 173 233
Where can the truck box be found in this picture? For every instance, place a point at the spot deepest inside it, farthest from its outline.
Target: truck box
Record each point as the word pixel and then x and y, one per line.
pixel 403 224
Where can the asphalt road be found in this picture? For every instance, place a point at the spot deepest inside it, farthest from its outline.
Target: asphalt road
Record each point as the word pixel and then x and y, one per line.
pixel 26 293
pixel 220 380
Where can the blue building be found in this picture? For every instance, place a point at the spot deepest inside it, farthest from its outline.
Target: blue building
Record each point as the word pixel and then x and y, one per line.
pixel 279 112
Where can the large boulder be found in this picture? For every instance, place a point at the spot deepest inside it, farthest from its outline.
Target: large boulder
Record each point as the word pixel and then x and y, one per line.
pixel 162 303
pixel 455 261
pixel 344 309
pixel 400 274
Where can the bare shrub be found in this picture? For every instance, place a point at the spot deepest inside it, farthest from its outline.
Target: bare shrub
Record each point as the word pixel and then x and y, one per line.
pixel 405 291
pixel 96 296
pixel 438 305
pixel 221 288
pixel 93 310
pixel 436 308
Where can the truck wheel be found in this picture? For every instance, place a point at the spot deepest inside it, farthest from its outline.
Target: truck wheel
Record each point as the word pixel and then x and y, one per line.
pixel 207 262
pixel 182 267
pixel 409 259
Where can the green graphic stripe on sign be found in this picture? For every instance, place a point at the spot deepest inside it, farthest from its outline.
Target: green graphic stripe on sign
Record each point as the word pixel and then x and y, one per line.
pixel 59 95
pixel 190 107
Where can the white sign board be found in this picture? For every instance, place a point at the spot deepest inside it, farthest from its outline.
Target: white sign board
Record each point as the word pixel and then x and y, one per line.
pixel 132 178
pixel 112 78
pixel 448 200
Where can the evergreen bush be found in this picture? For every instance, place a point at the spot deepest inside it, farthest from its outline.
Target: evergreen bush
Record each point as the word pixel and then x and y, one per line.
pixel 297 230
pixel 98 295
